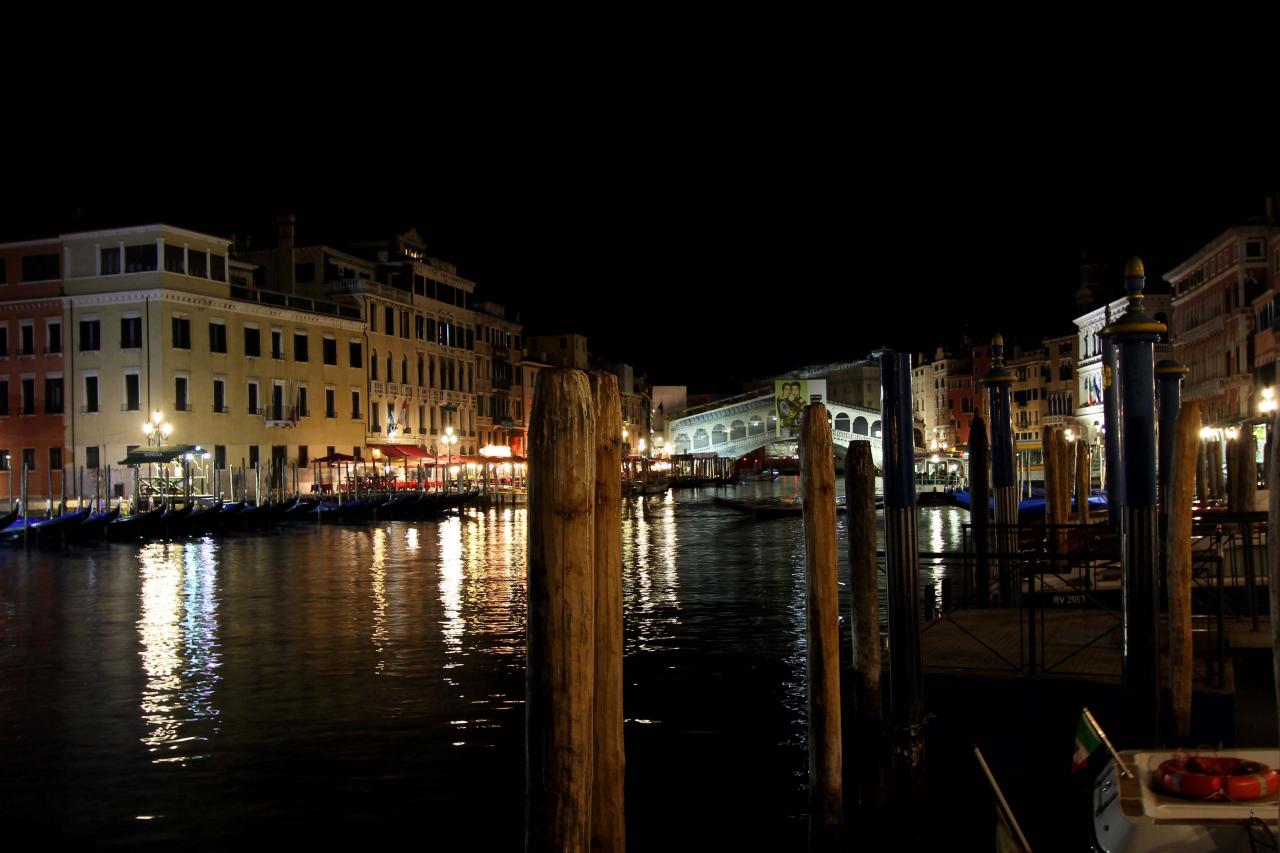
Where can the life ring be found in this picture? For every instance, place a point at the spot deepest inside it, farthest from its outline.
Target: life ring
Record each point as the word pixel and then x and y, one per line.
pixel 1201 778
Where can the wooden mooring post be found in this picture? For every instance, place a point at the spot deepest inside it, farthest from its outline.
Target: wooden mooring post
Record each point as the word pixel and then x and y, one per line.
pixel 1135 333
pixel 999 381
pixel 860 519
pixel 1273 552
pixel 822 609
pixel 979 509
pixel 559 698
pixel 608 812
pixel 1177 495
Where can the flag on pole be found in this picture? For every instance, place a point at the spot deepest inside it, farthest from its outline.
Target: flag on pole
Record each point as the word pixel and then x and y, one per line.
pixel 1087 743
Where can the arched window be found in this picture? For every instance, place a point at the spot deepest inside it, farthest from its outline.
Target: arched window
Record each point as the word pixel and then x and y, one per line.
pixel 718 434
pixel 404 370
pixel 842 422
pixel 755 426
pixel 919 436
pixel 391 377
pixel 422 379
pixel 860 425
pixel 737 430
pixel 373 365
pixel 700 439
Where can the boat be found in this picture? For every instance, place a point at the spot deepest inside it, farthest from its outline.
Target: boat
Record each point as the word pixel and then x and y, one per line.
pixel 45 531
pixel 206 520
pixel 1132 813
pixel 1027 507
pixel 8 518
pixel 144 525
pixel 94 527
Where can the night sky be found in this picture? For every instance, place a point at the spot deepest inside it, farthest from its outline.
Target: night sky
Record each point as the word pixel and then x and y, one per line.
pixel 705 242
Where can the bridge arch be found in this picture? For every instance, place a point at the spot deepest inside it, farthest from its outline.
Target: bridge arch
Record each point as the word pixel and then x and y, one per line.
pixel 755 426
pixel 737 430
pixel 700 439
pixel 860 425
pixel 842 422
pixel 719 435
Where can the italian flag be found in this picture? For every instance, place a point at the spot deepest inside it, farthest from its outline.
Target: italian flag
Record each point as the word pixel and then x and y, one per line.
pixel 1087 741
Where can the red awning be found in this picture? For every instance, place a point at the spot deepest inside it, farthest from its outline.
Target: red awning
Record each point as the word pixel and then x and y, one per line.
pixel 401 451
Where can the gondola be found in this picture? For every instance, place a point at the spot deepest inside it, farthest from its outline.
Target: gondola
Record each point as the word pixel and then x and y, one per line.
pixel 206 520
pixel 94 527
pixel 45 531
pixel 174 522
pixel 8 518
pixel 144 525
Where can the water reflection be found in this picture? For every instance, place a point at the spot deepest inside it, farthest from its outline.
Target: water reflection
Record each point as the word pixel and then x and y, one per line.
pixel 453 622
pixel 378 587
pixel 177 628
pixel 651 579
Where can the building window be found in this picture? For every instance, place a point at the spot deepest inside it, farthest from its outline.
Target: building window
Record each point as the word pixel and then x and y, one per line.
pixel 173 258
pixel 220 396
pixel 220 457
pixel 330 403
pixel 303 410
pixel 91 393
pixel 28 400
pixel 404 370
pixel 140 258
pixel 300 346
pixel 130 332
pixel 53 395
pixel 110 261
pixel 422 420
pixel 373 317
pixel 180 402
pixel 218 337
pixel 422 379
pixel 389 315
pixel 55 458
pixel 92 460
pixel 181 332
pixel 252 343
pixel 373 365
pixel 198 264
pixel 4 278
pixel 27 338
pixel 374 408
pixel 303 458
pixel 404 324
pixel 219 264
pixel 277 412
pixel 304 273
pixel 253 398
pixel 253 456
pixel 29 458
pixel 40 267
pixel 433 420
pixel 419 327
pixel 355 406
pixel 54 330
pixel 4 340
pixel 132 399
pixel 277 344
pixel 329 351
pixel 355 354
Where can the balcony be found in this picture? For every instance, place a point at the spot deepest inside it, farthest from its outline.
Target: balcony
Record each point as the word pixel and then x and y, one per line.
pixel 299 303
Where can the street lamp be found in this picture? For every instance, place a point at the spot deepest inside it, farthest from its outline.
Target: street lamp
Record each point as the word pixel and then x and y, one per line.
pixel 157 432
pixel 1268 402
pixel 449 441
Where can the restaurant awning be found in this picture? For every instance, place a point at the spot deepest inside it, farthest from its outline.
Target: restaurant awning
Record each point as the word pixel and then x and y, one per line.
pixel 158 455
pixel 401 451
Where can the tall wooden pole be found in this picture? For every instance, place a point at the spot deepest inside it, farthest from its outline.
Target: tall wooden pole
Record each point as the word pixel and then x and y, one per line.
pixel 1178 493
pixel 561 602
pixel 1113 438
pixel 860 500
pixel 979 508
pixel 818 488
pixel 999 381
pixel 608 812
pixel 1083 462
pixel 1136 333
pixel 902 567
pixel 1273 553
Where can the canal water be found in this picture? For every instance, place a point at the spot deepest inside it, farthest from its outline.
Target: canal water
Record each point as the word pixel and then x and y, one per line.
pixel 366 683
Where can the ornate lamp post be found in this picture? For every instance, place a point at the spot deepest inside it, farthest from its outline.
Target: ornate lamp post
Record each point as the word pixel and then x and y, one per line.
pixel 449 441
pixel 157 430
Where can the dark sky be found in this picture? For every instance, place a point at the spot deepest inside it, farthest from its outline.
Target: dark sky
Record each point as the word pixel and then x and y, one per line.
pixel 717 234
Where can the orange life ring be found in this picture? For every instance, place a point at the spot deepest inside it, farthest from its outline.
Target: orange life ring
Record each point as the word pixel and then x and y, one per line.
pixel 1201 778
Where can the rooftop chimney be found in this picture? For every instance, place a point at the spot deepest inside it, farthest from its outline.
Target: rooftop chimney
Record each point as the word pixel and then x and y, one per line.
pixel 284 252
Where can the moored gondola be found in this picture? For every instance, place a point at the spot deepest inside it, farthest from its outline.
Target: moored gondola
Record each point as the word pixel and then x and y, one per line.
pixel 94 527
pixel 144 525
